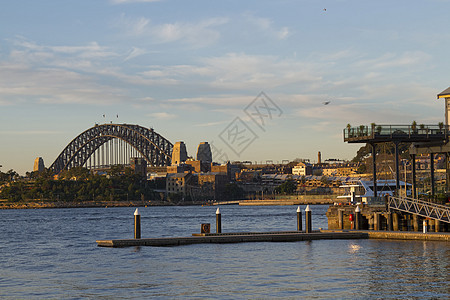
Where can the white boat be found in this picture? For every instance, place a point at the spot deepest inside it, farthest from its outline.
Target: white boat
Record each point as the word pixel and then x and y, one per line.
pixel 361 191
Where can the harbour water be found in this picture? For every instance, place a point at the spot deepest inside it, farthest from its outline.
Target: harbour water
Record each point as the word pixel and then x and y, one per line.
pixel 51 253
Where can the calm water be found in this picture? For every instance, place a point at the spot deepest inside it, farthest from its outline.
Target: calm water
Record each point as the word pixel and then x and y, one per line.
pixel 52 254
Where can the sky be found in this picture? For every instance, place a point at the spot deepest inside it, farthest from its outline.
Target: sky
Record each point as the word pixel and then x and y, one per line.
pixel 250 77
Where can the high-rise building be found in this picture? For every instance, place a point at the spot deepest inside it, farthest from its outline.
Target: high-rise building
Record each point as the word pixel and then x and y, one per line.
pixel 204 152
pixel 179 153
pixel 38 164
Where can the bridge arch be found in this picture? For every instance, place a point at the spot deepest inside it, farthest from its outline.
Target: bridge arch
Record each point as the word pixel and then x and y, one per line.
pixel 148 144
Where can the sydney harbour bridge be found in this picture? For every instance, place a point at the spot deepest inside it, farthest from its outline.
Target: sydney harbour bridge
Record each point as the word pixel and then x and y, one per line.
pixel 106 145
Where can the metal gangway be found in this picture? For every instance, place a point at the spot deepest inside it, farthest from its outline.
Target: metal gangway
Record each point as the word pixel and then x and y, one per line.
pixel 420 207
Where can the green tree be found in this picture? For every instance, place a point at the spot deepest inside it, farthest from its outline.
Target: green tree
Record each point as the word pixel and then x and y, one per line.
pixel 233 191
pixel 287 188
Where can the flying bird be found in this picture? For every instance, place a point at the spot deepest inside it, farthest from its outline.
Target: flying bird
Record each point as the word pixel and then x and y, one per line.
pixel 326 102
pixel 324 9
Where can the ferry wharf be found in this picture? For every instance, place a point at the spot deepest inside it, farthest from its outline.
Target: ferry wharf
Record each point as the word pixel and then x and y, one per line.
pixel 284 236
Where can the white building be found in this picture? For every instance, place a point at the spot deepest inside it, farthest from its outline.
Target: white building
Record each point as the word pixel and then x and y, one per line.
pixel 302 169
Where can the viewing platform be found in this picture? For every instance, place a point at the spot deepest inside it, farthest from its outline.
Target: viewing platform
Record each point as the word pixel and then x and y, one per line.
pixel 398 133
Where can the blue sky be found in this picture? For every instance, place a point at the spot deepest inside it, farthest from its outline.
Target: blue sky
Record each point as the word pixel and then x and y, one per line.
pixel 190 68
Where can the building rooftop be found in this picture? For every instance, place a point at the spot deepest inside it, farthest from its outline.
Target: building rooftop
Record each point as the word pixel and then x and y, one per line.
pixel 444 93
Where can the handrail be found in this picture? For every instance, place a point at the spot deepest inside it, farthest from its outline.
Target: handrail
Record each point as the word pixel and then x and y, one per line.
pixel 420 207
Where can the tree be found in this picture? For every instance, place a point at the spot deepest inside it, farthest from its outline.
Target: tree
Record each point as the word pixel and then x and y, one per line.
pixel 349 128
pixel 233 191
pixel 286 188
pixel 414 127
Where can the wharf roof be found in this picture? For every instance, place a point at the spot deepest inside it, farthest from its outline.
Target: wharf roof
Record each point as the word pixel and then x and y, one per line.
pixel 444 94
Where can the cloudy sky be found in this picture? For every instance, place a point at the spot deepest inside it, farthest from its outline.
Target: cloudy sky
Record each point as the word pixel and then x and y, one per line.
pixel 200 70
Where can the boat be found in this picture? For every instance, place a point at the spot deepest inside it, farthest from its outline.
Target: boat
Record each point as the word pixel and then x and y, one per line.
pixel 362 191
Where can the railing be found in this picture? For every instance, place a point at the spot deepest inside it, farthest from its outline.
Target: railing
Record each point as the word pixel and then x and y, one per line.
pixel 421 208
pixel 394 130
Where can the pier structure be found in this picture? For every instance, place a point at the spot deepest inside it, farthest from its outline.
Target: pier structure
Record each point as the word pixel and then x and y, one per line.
pixel 399 214
pixel 427 139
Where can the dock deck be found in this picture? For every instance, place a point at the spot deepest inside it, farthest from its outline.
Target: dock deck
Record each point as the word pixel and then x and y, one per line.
pixel 284 236
pixel 239 237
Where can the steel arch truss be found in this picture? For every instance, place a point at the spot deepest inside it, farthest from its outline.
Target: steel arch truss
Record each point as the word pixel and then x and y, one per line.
pixel 152 146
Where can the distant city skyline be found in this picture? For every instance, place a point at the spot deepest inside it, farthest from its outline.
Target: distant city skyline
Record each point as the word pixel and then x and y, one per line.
pixel 258 80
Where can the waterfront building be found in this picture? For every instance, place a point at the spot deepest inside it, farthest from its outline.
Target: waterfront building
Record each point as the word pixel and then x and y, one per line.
pixel 180 183
pixel 38 164
pixel 139 166
pixel 302 169
pixel 180 168
pixel 212 185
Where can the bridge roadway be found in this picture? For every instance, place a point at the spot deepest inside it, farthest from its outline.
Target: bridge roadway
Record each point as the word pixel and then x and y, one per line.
pixel 286 236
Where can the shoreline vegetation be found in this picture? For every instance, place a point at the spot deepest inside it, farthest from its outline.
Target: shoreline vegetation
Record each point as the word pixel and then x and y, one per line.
pixel 43 204
pixel 121 187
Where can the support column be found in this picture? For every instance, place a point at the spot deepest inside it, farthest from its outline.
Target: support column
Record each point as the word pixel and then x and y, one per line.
pixel 415 222
pixel 341 218
pixel 358 218
pixel 432 225
pixel 414 184
pixel 437 225
pixel 371 221
pixel 409 225
pixel 389 221
pixel 447 171
pixel 397 169
pixel 432 173
pixel 403 223
pixel 376 221
pixel 395 221
pixel 374 165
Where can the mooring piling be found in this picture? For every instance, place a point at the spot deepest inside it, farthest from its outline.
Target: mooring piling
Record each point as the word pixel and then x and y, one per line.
pixel 299 219
pixel 308 225
pixel 218 221
pixel 357 218
pixel 137 224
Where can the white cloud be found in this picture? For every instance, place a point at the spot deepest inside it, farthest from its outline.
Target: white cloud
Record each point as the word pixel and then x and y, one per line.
pixel 135 52
pixel 162 115
pixel 209 124
pixel 29 132
pixel 393 60
pixel 132 1
pixel 196 34
pixel 266 25
pixel 52 85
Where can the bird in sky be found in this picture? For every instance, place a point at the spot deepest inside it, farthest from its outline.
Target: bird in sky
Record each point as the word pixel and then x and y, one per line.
pixel 326 102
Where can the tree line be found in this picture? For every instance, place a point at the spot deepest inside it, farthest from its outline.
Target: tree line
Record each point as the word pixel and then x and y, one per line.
pixel 77 184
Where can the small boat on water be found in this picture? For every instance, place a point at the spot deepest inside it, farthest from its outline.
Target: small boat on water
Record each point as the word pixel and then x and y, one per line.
pixel 362 191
